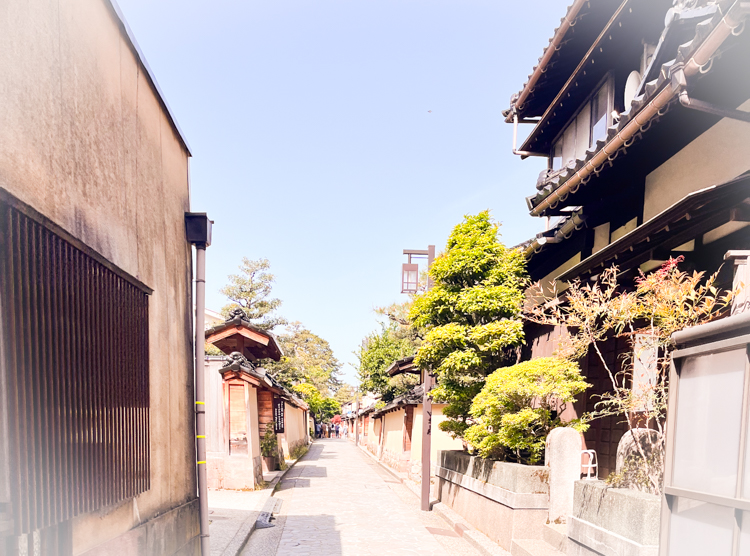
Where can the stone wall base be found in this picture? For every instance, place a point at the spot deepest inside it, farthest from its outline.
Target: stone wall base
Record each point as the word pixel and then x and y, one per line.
pixel 175 533
pixel 500 523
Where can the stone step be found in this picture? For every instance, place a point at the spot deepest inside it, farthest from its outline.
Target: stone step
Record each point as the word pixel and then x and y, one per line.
pixel 533 547
pixel 556 535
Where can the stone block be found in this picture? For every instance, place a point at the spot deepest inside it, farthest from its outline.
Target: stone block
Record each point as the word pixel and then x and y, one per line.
pixel 629 514
pixel 563 458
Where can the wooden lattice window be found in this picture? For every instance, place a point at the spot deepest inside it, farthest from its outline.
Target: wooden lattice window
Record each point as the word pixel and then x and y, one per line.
pixel 74 374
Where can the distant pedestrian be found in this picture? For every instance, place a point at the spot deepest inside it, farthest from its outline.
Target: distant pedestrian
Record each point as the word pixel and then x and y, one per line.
pixel 337 431
pixel 317 430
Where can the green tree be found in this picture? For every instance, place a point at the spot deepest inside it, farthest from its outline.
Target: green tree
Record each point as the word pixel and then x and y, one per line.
pixel 344 394
pixel 377 353
pixel 519 405
pixel 321 408
pixel 307 358
pixel 471 316
pixel 250 290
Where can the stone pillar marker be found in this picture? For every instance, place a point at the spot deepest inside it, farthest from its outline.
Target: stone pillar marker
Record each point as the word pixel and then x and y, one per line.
pixel 563 458
pixel 741 282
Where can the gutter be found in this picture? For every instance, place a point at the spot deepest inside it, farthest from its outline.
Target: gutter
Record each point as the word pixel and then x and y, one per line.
pixel 576 221
pixel 702 55
pixel 567 22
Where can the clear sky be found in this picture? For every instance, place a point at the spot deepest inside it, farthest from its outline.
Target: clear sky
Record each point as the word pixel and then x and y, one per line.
pixel 329 135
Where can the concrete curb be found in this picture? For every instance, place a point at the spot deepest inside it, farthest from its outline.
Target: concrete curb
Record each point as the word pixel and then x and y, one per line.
pixel 248 526
pixel 463 528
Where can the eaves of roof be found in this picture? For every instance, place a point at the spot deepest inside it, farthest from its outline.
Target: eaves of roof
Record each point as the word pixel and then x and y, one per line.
pixel 546 126
pixel 238 321
pixel 413 397
pixel 580 14
pixel 238 364
pixel 691 58
pixel 405 365
pixel 149 74
pixel 703 204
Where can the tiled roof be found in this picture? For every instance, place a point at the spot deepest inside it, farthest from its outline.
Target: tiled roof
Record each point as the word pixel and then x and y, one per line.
pixel 684 54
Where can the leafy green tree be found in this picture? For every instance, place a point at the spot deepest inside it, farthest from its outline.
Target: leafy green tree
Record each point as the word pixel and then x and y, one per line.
pixel 307 358
pixel 344 394
pixel 250 290
pixel 519 405
pixel 471 316
pixel 321 408
pixel 377 353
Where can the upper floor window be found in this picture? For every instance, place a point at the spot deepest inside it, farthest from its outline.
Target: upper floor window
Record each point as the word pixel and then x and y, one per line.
pixel 585 128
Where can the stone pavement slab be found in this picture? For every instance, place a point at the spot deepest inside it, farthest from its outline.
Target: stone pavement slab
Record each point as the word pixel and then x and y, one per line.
pixel 337 502
pixel 232 515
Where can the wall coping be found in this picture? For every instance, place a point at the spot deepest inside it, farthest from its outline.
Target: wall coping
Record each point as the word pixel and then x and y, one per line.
pixel 513 477
pixel 514 500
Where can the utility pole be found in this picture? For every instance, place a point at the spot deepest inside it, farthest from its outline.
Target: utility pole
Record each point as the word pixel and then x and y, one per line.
pixel 410 271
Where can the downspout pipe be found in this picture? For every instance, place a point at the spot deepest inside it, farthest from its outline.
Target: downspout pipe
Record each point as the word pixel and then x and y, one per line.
pixel 567 22
pixel 200 394
pixel 198 231
pixel 708 108
pixel 734 17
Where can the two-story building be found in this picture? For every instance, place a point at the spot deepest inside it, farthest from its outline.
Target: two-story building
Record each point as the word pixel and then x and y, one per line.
pixel 641 109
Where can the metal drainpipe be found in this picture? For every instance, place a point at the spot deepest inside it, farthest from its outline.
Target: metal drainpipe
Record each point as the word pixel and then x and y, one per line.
pixel 200 397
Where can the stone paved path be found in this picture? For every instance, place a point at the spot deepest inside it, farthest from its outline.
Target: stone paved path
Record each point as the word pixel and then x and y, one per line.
pixel 337 501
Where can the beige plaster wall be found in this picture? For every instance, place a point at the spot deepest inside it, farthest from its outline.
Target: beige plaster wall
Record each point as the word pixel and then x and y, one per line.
pixel 393 431
pixel 717 155
pixel 294 428
pixel 84 140
pixel 216 425
pixel 440 440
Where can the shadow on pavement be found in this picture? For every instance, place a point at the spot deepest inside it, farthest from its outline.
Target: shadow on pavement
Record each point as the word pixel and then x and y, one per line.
pixel 310 534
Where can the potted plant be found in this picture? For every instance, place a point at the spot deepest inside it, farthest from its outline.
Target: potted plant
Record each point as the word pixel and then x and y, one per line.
pixel 269 450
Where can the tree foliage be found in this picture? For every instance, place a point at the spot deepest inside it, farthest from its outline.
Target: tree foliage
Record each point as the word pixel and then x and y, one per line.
pixel 660 304
pixel 307 358
pixel 321 408
pixel 250 290
pixel 377 354
pixel 471 316
pixel 519 405
pixel 344 394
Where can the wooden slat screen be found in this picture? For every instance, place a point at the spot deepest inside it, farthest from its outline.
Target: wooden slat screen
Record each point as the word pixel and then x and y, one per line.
pixel 76 353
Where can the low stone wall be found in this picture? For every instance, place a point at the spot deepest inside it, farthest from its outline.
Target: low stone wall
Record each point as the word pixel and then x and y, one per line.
pixel 505 501
pixel 174 533
pixel 613 521
pixel 397 461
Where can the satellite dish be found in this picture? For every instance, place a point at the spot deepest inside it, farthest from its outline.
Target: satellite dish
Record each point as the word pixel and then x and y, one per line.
pixel 631 86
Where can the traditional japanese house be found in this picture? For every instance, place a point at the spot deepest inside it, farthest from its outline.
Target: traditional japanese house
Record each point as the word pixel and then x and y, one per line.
pixel 640 108
pixel 243 399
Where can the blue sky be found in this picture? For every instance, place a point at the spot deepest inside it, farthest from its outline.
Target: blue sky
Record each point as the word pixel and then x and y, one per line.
pixel 329 135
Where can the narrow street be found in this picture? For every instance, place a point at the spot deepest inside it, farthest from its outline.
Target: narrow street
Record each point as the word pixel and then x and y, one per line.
pixel 337 501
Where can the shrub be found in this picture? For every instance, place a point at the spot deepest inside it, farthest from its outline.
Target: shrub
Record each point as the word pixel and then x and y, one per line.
pixel 269 446
pixel 519 405
pixel 299 451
